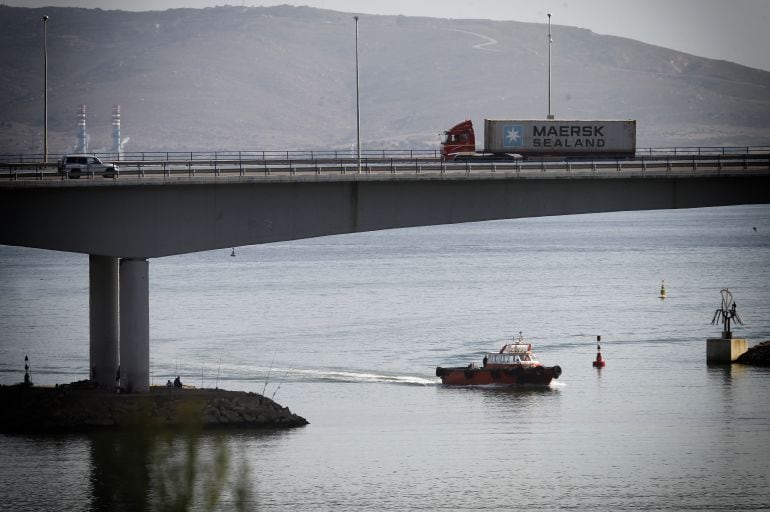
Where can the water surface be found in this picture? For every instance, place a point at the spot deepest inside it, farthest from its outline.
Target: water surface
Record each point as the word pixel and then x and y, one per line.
pixel 347 331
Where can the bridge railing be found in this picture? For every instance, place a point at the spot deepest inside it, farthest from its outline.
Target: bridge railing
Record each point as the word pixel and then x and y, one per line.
pixel 704 150
pixel 175 156
pixel 339 154
pixel 234 164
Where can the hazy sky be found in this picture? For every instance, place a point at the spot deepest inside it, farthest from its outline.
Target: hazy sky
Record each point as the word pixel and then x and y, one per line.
pixel 735 30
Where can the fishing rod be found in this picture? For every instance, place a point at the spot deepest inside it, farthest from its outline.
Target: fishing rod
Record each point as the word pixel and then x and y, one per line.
pixel 267 377
pixel 280 382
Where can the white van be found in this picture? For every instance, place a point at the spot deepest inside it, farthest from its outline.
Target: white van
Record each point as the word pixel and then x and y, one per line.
pixel 73 166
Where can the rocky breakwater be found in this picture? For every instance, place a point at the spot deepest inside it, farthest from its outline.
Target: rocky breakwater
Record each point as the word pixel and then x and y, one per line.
pixel 77 407
pixel 758 355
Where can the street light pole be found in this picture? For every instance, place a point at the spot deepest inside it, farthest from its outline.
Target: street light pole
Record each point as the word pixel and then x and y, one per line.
pixel 550 41
pixel 45 89
pixel 358 111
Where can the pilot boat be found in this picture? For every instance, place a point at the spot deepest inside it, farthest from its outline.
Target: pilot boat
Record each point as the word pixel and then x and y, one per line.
pixel 513 364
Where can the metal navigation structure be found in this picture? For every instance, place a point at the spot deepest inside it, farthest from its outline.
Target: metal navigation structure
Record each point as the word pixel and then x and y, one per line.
pixel 726 314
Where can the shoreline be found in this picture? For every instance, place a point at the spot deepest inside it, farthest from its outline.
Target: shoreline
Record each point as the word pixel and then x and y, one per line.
pixel 79 407
pixel 758 355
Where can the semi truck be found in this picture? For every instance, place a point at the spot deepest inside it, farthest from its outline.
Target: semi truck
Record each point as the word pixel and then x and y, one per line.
pixel 528 138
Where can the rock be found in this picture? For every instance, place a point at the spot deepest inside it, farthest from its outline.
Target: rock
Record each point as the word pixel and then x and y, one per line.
pixel 232 416
pixel 758 355
pixel 210 419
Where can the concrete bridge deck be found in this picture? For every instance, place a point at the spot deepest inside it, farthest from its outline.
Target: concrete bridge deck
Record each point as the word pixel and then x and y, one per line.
pixel 156 211
pixel 238 165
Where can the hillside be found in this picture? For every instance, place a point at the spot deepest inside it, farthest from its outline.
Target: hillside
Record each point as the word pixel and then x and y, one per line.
pixel 284 78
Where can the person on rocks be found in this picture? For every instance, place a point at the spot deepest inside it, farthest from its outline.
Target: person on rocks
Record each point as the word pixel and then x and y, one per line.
pixel 177 382
pixel 169 384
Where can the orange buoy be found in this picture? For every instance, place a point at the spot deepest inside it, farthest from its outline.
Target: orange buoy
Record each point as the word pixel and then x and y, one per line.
pixel 599 362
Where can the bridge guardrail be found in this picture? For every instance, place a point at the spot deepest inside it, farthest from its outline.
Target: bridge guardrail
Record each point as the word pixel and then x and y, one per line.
pixel 644 165
pixel 337 154
pixel 704 150
pixel 171 156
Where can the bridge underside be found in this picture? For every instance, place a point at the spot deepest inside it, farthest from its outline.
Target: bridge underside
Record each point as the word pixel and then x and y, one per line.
pixel 131 220
pixel 121 225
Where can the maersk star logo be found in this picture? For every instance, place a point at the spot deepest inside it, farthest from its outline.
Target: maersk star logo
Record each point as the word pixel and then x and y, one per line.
pixel 513 136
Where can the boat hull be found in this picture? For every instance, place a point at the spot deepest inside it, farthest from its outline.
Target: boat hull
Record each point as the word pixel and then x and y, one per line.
pixel 464 376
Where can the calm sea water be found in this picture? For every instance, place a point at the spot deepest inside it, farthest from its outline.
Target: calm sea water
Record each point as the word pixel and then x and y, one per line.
pixel 347 331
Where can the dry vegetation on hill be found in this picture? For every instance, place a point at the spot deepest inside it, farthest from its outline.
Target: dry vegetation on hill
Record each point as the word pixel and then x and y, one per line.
pixel 284 78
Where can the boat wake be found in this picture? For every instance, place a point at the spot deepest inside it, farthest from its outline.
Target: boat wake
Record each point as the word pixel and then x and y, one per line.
pixel 276 375
pixel 360 377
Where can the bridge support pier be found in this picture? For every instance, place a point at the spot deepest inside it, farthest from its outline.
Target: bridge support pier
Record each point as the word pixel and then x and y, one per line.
pixel 103 319
pixel 134 325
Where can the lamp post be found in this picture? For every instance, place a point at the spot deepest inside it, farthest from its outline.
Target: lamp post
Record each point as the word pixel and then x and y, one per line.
pixel 45 89
pixel 358 111
pixel 550 41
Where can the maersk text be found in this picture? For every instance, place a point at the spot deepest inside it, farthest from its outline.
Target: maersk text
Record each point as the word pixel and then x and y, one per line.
pixel 568 131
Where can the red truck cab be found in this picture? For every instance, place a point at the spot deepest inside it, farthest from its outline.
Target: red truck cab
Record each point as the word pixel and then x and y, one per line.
pixel 460 140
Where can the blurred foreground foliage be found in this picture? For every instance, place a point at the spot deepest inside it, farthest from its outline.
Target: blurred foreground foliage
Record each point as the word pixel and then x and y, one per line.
pixel 151 469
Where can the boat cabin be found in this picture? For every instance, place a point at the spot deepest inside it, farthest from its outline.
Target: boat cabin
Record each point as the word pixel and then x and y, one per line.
pixel 512 354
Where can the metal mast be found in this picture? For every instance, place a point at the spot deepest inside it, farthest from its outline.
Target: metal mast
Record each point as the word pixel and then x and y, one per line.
pixel 358 111
pixel 550 42
pixel 45 89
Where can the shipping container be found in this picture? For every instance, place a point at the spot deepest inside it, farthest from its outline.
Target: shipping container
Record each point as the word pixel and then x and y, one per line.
pixel 560 137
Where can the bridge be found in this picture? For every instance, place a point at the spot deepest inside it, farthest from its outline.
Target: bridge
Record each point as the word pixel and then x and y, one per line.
pixel 155 207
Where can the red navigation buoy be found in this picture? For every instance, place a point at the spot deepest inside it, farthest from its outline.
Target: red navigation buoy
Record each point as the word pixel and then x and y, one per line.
pixel 599 362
